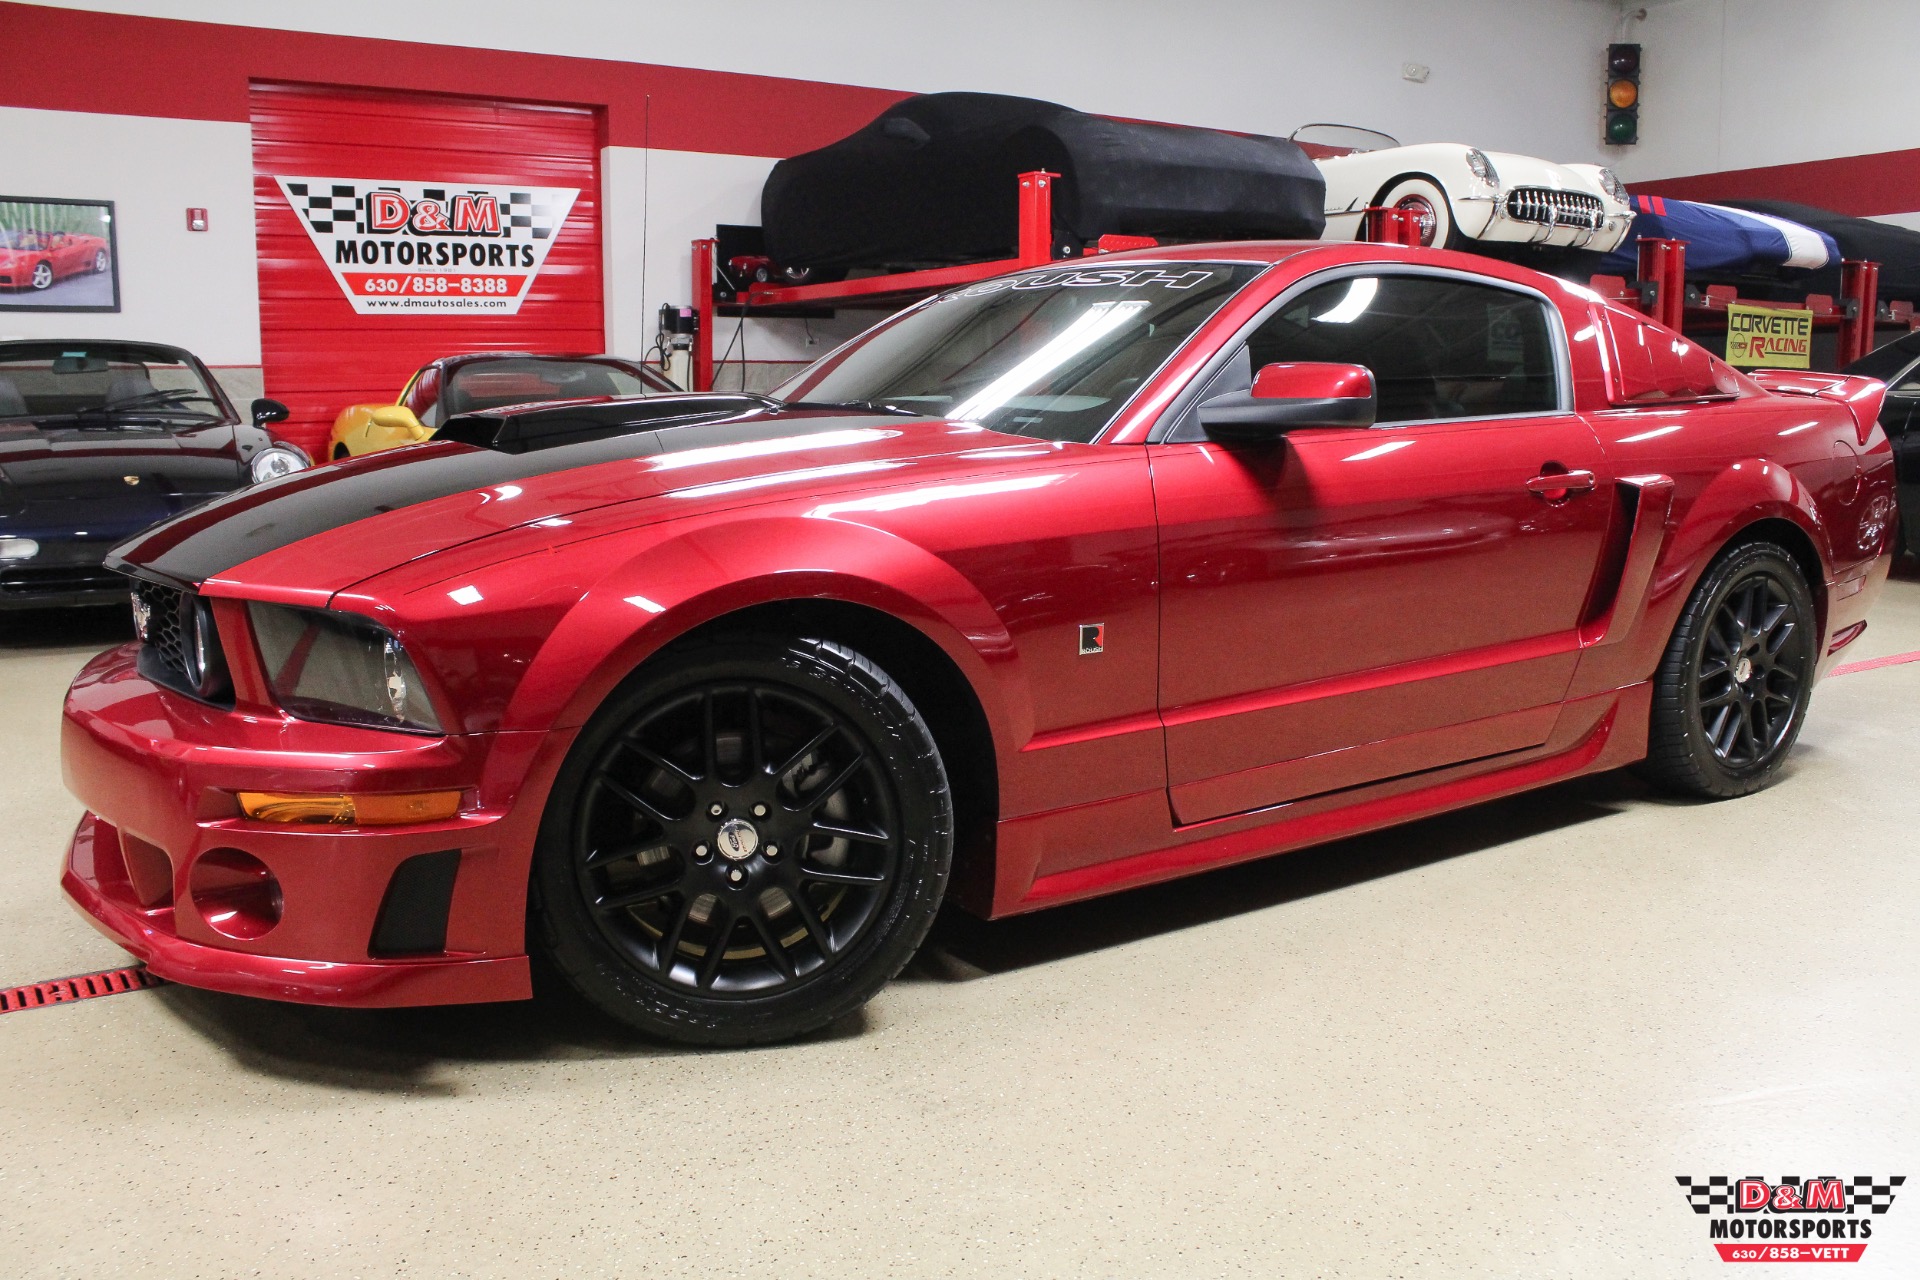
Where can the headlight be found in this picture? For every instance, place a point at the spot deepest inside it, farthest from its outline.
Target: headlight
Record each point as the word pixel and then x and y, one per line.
pixel 18 548
pixel 1482 168
pixel 1614 187
pixel 341 667
pixel 277 460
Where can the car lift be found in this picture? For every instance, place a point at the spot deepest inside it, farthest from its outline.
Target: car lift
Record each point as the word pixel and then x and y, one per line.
pixel 1661 291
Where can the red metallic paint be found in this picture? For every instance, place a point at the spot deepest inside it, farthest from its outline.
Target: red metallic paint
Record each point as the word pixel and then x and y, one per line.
pixel 1304 639
pixel 1306 380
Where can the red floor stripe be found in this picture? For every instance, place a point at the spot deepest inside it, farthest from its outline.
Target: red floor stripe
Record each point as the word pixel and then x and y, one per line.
pixel 1848 668
pixel 86 986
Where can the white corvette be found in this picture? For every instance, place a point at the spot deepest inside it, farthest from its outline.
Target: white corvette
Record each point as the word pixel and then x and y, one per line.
pixel 1458 193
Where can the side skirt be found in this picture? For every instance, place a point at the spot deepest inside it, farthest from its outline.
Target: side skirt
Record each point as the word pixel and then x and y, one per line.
pixel 1594 734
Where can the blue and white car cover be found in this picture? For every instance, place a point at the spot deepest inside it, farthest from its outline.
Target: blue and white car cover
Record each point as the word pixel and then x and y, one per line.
pixel 1722 240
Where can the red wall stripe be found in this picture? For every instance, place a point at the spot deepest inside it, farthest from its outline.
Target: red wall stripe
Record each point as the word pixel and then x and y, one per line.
pixel 116 64
pixel 1863 186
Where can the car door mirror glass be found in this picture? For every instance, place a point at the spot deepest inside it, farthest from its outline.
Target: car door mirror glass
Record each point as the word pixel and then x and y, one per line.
pixel 1291 396
pixel 265 411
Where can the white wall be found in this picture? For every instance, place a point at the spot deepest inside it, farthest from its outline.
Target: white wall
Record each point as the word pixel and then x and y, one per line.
pixel 1742 84
pixel 194 289
pixel 1518 75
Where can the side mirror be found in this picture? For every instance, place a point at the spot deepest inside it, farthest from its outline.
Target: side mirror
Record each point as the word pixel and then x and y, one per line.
pixel 265 411
pixel 1286 397
pixel 394 417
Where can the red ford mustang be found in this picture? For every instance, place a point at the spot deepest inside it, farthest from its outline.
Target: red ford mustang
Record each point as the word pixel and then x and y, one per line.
pixel 35 259
pixel 1067 581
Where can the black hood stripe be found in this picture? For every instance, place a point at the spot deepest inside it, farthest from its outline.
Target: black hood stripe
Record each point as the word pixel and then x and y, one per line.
pixel 214 537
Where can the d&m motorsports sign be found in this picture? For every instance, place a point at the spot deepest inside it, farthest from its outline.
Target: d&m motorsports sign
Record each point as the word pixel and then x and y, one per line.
pixel 1769 337
pixel 427 248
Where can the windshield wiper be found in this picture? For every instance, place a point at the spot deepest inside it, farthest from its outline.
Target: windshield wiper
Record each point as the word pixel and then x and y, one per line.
pixel 146 400
pixel 871 406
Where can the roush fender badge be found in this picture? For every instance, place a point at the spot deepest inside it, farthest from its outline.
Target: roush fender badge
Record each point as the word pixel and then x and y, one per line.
pixel 1790 1219
pixel 399 248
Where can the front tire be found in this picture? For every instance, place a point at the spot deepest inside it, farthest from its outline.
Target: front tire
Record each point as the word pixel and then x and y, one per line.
pixel 100 262
pixel 1732 689
pixel 42 275
pixel 745 843
pixel 1430 208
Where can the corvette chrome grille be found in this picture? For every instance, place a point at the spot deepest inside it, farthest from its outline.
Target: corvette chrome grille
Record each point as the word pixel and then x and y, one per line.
pixel 1557 208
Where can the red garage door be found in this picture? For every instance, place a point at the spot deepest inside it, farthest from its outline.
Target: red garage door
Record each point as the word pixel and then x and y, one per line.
pixel 397 227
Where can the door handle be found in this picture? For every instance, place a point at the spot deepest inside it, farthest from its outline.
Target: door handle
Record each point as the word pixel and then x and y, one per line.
pixel 1557 485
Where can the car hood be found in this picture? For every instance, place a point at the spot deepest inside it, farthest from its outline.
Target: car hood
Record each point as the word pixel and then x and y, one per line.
pixel 307 536
pixel 56 461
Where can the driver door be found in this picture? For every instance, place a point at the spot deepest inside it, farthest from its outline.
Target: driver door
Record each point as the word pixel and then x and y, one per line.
pixel 1348 605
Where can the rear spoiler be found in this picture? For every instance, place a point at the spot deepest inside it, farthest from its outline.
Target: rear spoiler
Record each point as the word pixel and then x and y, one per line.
pixel 1862 396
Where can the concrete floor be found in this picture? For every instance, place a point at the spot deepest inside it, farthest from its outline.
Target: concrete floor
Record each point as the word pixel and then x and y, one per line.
pixel 1482 1045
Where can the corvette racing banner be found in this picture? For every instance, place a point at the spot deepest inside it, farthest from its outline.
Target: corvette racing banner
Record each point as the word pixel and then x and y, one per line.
pixel 400 248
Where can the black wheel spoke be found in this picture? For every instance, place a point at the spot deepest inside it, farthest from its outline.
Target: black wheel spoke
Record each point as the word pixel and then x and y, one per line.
pixel 1719 699
pixel 622 899
pixel 756 733
pixel 616 853
pixel 775 952
pixel 709 740
pixel 670 940
pixel 721 921
pixel 816 927
pixel 659 761
pixel 634 800
pixel 833 786
pixel 813 744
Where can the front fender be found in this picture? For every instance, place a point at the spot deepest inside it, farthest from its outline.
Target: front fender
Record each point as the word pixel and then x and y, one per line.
pixel 699 574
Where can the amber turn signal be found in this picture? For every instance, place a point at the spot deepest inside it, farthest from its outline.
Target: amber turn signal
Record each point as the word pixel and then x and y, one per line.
pixel 345 811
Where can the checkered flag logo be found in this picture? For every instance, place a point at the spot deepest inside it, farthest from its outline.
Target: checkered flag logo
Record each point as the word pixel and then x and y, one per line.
pixel 1865 1194
pixel 1874 1194
pixel 327 207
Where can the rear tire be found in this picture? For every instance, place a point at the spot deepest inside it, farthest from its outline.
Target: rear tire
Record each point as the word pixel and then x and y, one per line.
pixel 1732 689
pixel 747 841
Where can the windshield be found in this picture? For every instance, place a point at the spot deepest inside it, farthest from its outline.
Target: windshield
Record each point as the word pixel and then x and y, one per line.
pixel 105 386
pixel 497 384
pixel 1885 362
pixel 1054 353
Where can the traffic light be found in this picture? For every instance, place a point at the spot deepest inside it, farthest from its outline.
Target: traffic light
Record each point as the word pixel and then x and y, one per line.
pixel 1623 94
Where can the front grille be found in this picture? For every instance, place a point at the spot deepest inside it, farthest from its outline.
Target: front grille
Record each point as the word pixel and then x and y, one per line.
pixel 1557 208
pixel 166 635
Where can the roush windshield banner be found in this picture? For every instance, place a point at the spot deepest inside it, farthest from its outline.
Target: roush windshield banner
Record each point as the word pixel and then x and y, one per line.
pixel 430 248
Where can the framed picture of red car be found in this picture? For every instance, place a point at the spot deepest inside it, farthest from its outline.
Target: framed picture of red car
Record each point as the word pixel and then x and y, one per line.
pixel 58 255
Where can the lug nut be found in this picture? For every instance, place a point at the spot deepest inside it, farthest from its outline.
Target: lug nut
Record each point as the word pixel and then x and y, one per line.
pixel 715 809
pixel 701 852
pixel 736 875
pixel 773 851
pixel 759 811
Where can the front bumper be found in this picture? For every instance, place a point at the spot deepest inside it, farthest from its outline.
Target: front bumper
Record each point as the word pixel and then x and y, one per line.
pixel 157 772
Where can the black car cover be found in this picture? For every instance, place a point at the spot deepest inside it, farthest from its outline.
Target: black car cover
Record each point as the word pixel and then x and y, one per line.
pixel 1896 249
pixel 934 180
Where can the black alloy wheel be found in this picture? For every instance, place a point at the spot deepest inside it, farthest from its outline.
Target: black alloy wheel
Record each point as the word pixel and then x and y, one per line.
pixel 746 843
pixel 1732 689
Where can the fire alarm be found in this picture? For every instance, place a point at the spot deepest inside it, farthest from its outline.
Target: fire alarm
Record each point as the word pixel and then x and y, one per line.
pixel 196 219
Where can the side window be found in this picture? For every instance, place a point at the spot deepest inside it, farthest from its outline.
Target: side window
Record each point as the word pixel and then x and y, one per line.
pixel 1438 348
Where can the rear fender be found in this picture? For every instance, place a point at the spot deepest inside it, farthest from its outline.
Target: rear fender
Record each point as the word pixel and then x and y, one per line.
pixel 1862 396
pixel 706 573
